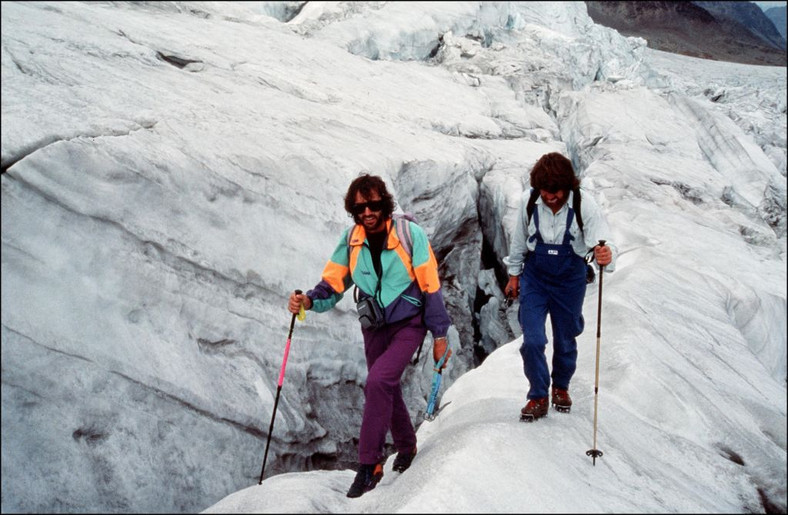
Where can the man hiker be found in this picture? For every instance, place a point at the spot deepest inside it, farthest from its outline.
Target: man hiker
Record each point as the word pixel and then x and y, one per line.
pixel 547 271
pixel 399 300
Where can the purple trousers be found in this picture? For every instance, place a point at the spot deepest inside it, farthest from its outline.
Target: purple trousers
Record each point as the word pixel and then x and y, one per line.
pixel 388 351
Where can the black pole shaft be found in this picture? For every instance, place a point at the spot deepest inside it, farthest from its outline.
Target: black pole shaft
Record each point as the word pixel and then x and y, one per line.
pixel 278 391
pixel 270 432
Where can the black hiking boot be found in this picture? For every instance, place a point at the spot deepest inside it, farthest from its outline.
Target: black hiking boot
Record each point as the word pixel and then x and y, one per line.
pixel 367 478
pixel 403 460
pixel 561 400
pixel 534 409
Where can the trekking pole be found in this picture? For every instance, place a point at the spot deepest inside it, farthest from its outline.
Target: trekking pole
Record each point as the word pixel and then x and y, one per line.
pixel 594 453
pixel 279 384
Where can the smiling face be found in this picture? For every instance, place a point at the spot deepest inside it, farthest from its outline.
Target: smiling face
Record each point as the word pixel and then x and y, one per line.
pixel 370 211
pixel 553 200
pixel 554 177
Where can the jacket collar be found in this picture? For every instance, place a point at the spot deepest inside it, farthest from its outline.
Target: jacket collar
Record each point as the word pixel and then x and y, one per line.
pixel 360 234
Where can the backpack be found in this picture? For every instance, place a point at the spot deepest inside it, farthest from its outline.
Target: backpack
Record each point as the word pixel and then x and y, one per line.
pixel 576 198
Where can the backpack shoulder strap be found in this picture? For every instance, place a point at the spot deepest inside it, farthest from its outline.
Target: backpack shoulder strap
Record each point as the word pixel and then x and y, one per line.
pixel 529 208
pixel 402 223
pixel 403 231
pixel 576 198
pixel 350 232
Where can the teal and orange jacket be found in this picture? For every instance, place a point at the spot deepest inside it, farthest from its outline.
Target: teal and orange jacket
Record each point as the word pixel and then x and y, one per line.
pixel 410 284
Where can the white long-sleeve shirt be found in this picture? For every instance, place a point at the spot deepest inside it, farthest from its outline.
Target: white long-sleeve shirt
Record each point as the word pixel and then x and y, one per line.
pixel 552 228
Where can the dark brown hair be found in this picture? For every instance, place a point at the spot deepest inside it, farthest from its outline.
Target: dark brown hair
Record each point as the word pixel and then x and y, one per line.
pixel 554 172
pixel 366 184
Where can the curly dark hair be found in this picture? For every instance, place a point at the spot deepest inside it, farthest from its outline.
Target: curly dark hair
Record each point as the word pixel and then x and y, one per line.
pixel 366 184
pixel 553 172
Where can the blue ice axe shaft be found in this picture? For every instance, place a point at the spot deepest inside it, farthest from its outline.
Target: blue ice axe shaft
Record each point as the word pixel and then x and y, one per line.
pixel 437 375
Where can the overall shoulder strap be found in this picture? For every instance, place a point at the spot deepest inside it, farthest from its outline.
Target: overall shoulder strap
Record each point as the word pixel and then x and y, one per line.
pixel 576 199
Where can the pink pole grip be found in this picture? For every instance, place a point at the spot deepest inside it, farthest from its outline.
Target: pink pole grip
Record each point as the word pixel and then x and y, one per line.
pixel 284 364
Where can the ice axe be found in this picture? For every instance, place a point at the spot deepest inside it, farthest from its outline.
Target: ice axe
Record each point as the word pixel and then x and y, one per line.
pixel 437 376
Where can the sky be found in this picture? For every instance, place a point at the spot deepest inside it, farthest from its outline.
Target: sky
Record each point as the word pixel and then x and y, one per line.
pixel 172 171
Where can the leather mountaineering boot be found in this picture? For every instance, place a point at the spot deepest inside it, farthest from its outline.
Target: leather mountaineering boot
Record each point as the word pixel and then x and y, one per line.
pixel 403 460
pixel 561 400
pixel 367 478
pixel 534 409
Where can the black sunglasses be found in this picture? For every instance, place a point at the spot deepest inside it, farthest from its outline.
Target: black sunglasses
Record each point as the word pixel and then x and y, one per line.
pixel 375 205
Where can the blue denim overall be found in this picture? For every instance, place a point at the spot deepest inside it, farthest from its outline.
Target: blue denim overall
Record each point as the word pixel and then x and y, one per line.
pixel 553 281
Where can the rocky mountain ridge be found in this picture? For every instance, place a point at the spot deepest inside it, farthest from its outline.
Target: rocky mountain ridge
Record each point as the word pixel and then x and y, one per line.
pixel 737 32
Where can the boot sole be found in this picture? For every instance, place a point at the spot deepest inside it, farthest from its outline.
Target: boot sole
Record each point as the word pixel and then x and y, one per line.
pixel 375 480
pixel 562 409
pixel 530 418
pixel 367 489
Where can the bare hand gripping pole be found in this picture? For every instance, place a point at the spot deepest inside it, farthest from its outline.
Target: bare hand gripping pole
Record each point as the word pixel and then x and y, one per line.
pixel 279 386
pixel 594 453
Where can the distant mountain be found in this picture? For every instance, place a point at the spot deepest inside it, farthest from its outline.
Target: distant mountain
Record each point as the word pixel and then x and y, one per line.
pixel 749 15
pixel 777 15
pixel 689 29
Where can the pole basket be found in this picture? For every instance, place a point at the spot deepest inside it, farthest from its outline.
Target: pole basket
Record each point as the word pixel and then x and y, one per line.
pixel 594 453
